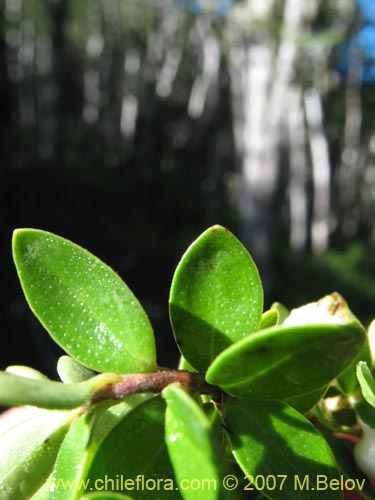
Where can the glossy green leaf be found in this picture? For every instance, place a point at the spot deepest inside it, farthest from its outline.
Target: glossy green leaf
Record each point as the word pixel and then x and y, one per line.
pixel 304 402
pixel 17 415
pixel 43 492
pixel 135 450
pixel 71 372
pixel 28 452
pixel 367 382
pixel 16 390
pixel 371 339
pixel 269 319
pixel 365 414
pixel 68 479
pixel 80 445
pixel 286 361
pixel 106 495
pixel 190 447
pixel 216 297
pixel 185 365
pixel 282 312
pixel 83 304
pixel 25 371
pixel 348 381
pixel 281 450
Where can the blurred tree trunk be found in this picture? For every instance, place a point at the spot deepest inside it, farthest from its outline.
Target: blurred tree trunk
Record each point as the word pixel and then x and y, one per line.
pixel 321 172
pixel 298 197
pixel 50 93
pixel 265 78
pixel 350 170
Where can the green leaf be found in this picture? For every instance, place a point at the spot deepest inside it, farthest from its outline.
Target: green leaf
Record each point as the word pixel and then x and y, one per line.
pixel 71 372
pixel 304 402
pixel 28 452
pixel 190 447
pixel 269 319
pixel 367 382
pixel 84 305
pixel 16 390
pixel 134 458
pixel 281 450
pixel 68 479
pixel 81 444
pixel 366 414
pixel 26 371
pixel 286 361
pixel 185 365
pixel 348 381
pixel 216 297
pixel 282 312
pixel 43 492
pixel 371 339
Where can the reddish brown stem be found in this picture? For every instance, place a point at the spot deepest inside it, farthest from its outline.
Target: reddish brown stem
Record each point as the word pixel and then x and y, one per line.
pixel 154 382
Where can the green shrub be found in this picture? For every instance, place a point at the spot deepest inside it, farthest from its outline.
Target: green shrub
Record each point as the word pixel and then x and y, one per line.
pixel 255 409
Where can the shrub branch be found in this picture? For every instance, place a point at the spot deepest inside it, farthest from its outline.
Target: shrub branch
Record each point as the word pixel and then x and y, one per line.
pixel 154 382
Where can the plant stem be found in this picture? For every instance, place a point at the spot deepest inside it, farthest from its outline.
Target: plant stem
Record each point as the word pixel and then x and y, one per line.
pixel 154 382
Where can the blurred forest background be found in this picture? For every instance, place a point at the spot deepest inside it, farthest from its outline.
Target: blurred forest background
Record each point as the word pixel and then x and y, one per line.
pixel 130 126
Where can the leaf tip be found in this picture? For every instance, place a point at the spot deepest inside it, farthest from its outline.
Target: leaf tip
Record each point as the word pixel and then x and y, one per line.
pixel 20 237
pixel 17 234
pixel 20 232
pixel 218 227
